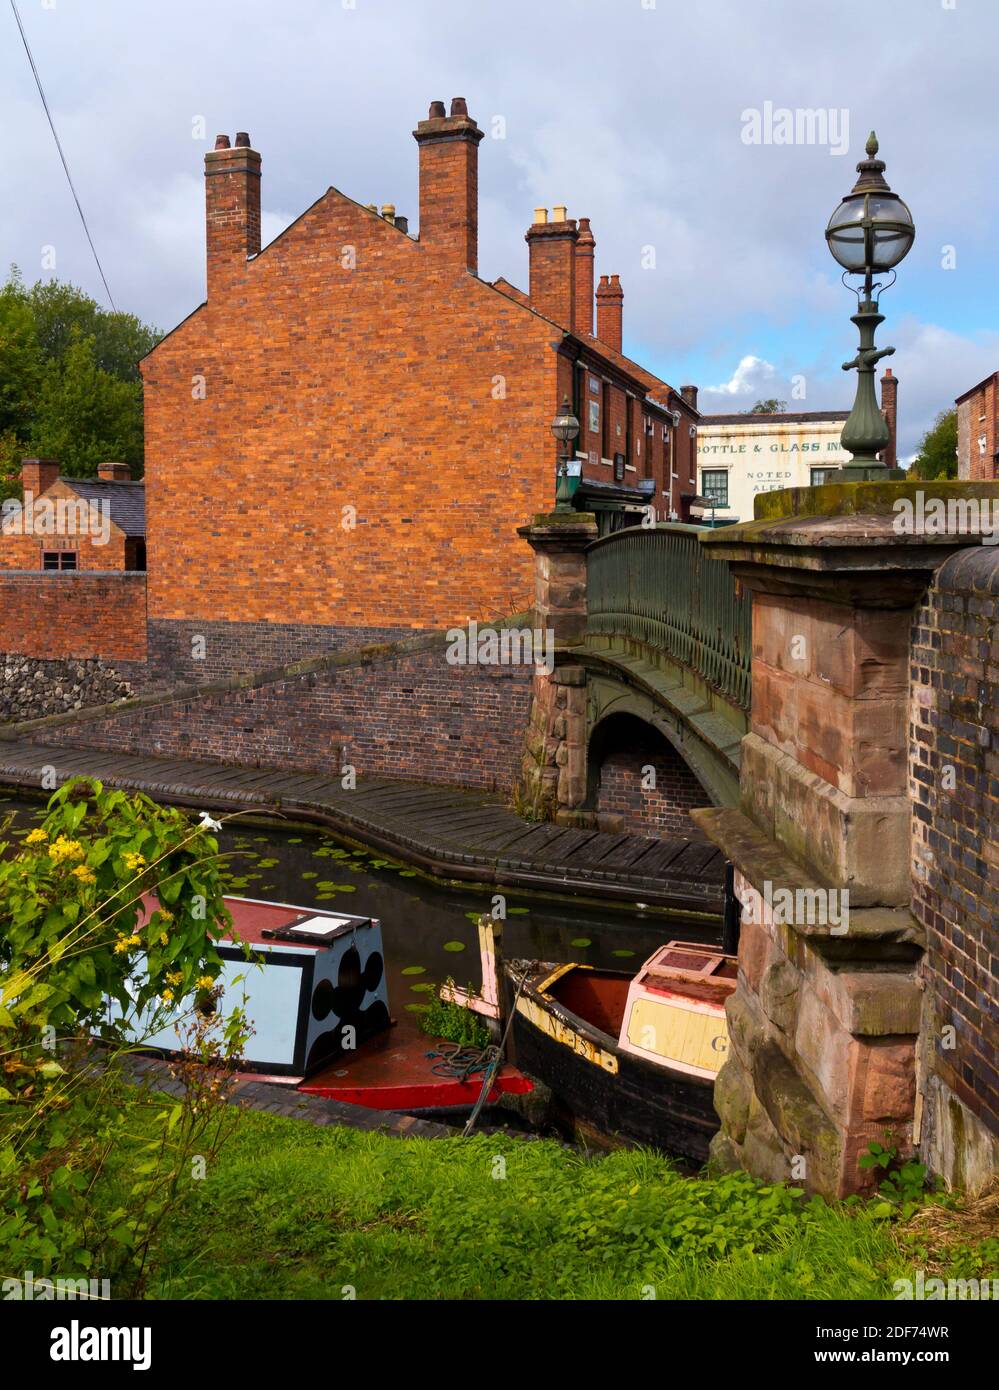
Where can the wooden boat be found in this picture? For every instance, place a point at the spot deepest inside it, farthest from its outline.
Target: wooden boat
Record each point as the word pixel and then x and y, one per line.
pixel 315 995
pixel 628 1059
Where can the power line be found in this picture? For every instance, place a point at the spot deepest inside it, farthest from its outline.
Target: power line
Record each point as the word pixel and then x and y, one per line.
pixel 55 137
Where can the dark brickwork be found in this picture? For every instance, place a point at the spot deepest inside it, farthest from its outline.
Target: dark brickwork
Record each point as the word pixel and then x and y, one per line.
pixel 954 772
pixel 411 716
pixel 241 648
pixel 660 810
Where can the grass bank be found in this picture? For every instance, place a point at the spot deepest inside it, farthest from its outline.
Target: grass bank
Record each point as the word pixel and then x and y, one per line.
pixel 298 1212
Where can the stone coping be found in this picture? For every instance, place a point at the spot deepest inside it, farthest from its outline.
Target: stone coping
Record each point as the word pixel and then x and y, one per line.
pixel 849 499
pixel 761 860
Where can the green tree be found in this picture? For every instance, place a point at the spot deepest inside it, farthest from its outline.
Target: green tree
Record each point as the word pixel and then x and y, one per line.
pixel 937 457
pixel 62 313
pixel 85 414
pixel 771 406
pixel 69 380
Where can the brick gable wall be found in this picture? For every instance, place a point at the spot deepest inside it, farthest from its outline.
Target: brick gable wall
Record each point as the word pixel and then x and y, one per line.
pixel 402 387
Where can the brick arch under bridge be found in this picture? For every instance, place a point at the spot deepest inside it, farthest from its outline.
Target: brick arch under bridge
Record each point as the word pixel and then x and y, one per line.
pixel 645 625
pixel 625 713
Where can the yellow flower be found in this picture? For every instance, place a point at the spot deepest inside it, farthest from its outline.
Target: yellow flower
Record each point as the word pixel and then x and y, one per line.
pixel 135 941
pixel 164 939
pixel 205 982
pixel 84 874
pixel 174 977
pixel 120 946
pixel 36 837
pixel 165 916
pixel 167 996
pixel 134 861
pixel 62 849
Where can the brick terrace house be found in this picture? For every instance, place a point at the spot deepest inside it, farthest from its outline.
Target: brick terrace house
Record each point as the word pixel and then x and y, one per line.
pixel 82 523
pixel 977 432
pixel 343 439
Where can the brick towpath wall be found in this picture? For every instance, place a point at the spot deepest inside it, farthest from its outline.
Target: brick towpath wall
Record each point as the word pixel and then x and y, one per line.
pixel 399 710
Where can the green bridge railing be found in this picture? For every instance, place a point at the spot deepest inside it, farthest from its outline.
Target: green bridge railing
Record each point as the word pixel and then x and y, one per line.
pixel 660 588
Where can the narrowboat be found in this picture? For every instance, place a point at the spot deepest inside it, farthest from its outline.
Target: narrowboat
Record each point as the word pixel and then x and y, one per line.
pixel 628 1059
pixel 313 987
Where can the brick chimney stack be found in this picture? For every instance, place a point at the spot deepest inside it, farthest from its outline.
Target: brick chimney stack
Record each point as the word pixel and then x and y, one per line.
pixel 38 475
pixel 449 183
pixel 114 472
pixel 232 208
pixel 585 250
pixel 552 251
pixel 889 409
pixel 610 307
pixel 689 394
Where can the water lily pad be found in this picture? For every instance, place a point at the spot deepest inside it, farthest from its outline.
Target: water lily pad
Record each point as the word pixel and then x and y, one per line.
pixel 414 970
pixel 622 953
pixel 415 1008
pixel 407 873
pixel 454 945
pixel 422 988
pixel 267 863
pixel 581 941
pixel 309 874
pixel 516 911
pixel 295 840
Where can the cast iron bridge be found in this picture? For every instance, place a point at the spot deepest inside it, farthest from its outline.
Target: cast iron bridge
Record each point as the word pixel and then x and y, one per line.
pixel 668 641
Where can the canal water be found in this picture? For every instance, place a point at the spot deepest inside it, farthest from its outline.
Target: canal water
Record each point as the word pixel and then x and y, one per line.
pixel 429 930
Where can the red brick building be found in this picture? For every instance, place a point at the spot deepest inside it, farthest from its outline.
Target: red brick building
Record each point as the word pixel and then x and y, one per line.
pixel 343 439
pixel 74 523
pixel 978 430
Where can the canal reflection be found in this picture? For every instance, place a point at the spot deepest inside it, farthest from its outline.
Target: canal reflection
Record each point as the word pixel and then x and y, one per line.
pixel 429 930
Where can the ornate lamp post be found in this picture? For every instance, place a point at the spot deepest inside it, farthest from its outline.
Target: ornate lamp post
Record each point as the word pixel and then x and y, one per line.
pixel 868 234
pixel 565 428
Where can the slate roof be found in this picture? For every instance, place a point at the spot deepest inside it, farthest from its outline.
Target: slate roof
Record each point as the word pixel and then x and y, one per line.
pixel 126 501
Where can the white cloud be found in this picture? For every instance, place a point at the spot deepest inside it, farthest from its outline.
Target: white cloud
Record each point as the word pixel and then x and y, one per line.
pixel 751 375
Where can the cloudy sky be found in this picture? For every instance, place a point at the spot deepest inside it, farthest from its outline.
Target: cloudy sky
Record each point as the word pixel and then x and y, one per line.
pixel 631 112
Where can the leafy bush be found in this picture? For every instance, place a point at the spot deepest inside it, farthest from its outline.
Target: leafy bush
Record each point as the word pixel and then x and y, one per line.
pixel 76 935
pixel 442 1019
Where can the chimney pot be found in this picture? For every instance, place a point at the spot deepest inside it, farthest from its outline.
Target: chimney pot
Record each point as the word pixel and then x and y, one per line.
pixel 114 472
pixel 540 216
pixel 449 184
pixel 689 394
pixel 610 302
pixel 585 250
pixel 388 211
pixel 232 209
pixel 889 409
pixel 558 212
pixel 38 475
